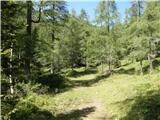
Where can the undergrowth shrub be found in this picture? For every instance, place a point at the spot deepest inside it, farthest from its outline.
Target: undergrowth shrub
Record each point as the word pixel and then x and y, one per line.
pixel 80 72
pixel 4 84
pixel 52 81
pixel 71 73
pixel 26 110
pixel 22 89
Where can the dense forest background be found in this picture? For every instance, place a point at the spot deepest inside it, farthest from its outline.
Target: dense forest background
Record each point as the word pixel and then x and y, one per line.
pixel 42 44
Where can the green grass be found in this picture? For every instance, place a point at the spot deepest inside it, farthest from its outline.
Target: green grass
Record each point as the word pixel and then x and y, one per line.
pixel 121 90
pixel 118 93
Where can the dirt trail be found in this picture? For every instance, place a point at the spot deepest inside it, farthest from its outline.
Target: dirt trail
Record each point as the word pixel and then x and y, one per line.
pixel 99 112
pixel 94 109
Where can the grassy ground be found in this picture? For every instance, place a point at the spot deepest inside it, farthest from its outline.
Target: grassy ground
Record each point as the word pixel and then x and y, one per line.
pixel 121 96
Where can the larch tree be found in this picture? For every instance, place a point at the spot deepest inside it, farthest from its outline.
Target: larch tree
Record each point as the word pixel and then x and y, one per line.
pixel 106 16
pixel 151 20
pixel 138 44
pixel 53 19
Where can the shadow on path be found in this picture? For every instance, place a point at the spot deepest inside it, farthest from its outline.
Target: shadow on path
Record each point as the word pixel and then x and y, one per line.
pixel 75 73
pixel 29 111
pixel 87 83
pixel 125 71
pixel 76 114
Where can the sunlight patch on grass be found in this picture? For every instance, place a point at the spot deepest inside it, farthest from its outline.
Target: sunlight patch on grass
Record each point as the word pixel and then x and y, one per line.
pixel 85 77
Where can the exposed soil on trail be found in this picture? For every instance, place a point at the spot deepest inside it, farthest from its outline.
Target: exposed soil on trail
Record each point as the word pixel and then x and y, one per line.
pixel 98 113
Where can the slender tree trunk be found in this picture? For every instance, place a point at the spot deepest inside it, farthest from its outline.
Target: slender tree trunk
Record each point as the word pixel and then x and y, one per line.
pixel 108 28
pixel 149 56
pixel 150 63
pixel 58 66
pixel 10 76
pixel 72 67
pixel 139 15
pixel 109 66
pixel 139 8
pixel 141 67
pixel 28 52
pixel 102 67
pixel 53 38
pixel 19 58
pixel 87 64
pixel 51 70
pixel 29 40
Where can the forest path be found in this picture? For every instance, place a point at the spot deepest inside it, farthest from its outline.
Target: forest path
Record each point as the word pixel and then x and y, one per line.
pixel 97 97
pixel 96 102
pixel 99 113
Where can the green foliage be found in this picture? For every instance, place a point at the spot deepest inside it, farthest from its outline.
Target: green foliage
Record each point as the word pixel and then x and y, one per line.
pixel 4 84
pixel 12 25
pixel 27 111
pixel 71 73
pixel 49 34
pixel 52 80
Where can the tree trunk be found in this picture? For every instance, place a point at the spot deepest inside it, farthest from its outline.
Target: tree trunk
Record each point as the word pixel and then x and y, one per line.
pixel 108 28
pixel 72 67
pixel 149 56
pixel 10 76
pixel 51 70
pixel 58 66
pixel 102 67
pixel 19 58
pixel 87 64
pixel 28 52
pixel 150 63
pixel 29 40
pixel 109 66
pixel 141 67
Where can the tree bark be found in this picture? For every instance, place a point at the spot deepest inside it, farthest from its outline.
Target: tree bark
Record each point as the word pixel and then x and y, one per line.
pixel 141 67
pixel 72 68
pixel 29 40
pixel 110 68
pixel 85 63
pixel 150 63
pixel 149 56
pixel 51 68
pixel 109 65
pixel 102 66
pixel 10 75
pixel 28 53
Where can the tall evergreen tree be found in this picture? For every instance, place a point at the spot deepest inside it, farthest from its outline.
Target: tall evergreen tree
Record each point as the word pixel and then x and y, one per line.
pixel 11 28
pixel 53 19
pixel 107 16
pixel 151 27
pixel 138 44
pixel 29 40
